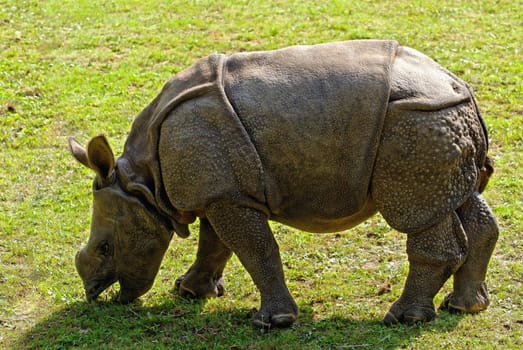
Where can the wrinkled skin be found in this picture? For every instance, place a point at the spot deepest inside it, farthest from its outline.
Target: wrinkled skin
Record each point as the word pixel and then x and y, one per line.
pixel 127 241
pixel 316 137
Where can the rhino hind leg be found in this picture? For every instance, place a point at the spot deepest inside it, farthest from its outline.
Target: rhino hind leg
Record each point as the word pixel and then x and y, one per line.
pixel 434 255
pixel 470 290
pixel 204 278
pixel 247 232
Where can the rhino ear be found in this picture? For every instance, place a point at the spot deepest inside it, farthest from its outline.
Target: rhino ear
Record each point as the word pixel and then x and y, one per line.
pixel 100 157
pixel 78 152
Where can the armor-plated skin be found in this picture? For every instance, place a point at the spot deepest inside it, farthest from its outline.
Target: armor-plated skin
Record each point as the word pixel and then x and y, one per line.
pixel 317 137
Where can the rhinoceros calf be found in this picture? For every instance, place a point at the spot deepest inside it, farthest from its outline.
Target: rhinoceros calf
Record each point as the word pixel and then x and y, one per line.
pixel 316 137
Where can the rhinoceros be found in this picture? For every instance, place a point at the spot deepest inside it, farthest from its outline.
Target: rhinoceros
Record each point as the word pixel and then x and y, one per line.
pixel 316 137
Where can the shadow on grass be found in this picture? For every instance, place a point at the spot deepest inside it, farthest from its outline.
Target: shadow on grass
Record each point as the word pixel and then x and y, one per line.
pixel 185 324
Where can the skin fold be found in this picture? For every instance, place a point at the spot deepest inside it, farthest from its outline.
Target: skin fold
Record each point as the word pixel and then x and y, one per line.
pixel 316 137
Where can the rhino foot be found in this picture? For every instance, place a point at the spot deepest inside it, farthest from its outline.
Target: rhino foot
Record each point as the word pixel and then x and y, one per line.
pixel 470 300
pixel 281 312
pixel 275 321
pixel 197 287
pixel 409 314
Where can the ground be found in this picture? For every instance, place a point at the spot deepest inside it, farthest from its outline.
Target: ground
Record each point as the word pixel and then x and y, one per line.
pixel 80 68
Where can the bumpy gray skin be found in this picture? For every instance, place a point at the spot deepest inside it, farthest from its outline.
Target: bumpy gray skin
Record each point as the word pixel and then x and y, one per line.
pixel 316 137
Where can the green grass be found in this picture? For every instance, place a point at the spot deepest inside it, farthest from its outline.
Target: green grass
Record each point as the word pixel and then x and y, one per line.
pixel 86 67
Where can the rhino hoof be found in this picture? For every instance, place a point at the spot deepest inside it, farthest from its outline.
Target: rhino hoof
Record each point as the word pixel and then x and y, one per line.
pixel 183 289
pixel 276 321
pixel 186 287
pixel 390 319
pixel 415 314
pixel 456 304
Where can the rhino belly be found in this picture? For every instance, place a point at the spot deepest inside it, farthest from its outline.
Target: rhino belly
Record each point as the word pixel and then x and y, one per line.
pixel 293 216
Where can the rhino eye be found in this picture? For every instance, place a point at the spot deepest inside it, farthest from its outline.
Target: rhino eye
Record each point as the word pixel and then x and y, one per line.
pixel 105 249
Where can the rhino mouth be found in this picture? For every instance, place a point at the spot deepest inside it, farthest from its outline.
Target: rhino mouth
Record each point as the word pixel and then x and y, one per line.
pixel 96 287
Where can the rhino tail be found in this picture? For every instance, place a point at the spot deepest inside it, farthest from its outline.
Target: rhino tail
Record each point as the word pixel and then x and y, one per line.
pixel 487 169
pixel 484 174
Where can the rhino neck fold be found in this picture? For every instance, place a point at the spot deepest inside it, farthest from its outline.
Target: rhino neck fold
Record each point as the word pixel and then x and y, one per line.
pixel 140 165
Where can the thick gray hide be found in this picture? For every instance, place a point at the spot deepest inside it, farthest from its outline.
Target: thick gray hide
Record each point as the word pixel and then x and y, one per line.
pixel 293 132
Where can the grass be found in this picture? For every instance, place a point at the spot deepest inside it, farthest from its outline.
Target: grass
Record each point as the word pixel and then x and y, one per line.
pixel 86 67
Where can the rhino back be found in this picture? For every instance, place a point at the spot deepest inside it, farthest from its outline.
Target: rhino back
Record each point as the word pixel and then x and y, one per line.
pixel 314 115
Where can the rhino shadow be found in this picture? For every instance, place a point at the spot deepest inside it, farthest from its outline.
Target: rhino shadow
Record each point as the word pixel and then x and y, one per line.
pixel 185 324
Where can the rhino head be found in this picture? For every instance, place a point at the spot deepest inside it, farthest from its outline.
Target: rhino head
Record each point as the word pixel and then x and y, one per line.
pixel 128 235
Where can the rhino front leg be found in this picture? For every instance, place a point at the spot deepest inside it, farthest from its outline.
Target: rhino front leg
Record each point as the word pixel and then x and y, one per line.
pixel 204 277
pixel 434 254
pixel 247 232
pixel 470 290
